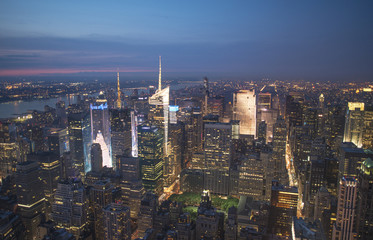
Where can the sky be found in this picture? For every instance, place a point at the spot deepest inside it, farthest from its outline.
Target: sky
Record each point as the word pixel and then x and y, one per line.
pixel 248 39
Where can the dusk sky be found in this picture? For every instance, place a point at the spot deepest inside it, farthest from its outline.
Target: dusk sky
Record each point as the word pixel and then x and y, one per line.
pixel 311 40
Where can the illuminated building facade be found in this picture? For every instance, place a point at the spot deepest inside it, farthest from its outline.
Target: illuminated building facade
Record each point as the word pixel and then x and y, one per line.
pixel 345 224
pixel 279 151
pixel 284 202
pixel 151 155
pixel 365 200
pixel 251 177
pixel 354 125
pixel 80 141
pixel 119 100
pixel 120 133
pixel 218 147
pixel 30 196
pixel 9 156
pixel 368 128
pixel 244 110
pixel 70 207
pixel 100 128
pixel 134 139
pixel 159 117
pixel 148 210
pixel 117 222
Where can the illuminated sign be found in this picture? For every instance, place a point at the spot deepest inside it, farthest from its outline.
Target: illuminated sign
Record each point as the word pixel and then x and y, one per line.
pixel 174 108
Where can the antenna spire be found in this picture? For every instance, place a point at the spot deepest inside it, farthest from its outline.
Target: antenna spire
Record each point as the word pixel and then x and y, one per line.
pixel 119 102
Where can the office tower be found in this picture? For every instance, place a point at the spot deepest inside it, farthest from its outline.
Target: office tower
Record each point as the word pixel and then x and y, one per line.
pixel 206 93
pixel 159 117
pixel 61 114
pixel 322 203
pixel 311 121
pixel 192 180
pixel 100 128
pixel 9 157
pixel 80 140
pixel 251 177
pixel 119 100
pixel 267 110
pixel 302 230
pixel 10 226
pixel 129 168
pixel 68 170
pixel 50 172
pixel 354 125
pixel 231 224
pixel 176 134
pixel 30 196
pixel 279 151
pixel 262 132
pixel 134 137
pixel 194 131
pixel 117 222
pixel 100 196
pixel 350 158
pixel 218 147
pixel 244 110
pixel 58 140
pixel 364 216
pixel 216 106
pixel 151 155
pixel 368 128
pixel 316 179
pixel 120 133
pixel 70 207
pixel 148 209
pixel 173 113
pixel 345 224
pixel 185 227
pixel 294 109
pixel 284 202
pixel 209 223
pixel 132 194
pixel 96 158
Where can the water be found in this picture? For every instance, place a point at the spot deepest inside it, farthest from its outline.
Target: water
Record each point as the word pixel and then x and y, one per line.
pixel 12 109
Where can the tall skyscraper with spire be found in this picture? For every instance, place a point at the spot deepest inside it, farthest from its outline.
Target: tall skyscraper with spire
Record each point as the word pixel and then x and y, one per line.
pixel 158 116
pixel 119 101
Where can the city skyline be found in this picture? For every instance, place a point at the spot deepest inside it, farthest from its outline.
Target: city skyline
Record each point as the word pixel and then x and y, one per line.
pixel 285 40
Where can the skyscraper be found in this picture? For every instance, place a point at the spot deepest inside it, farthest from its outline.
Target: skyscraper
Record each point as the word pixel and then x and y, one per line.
pixel 119 100
pixel 345 224
pixel 70 207
pixel 279 151
pixel 80 140
pixel 244 110
pixel 96 158
pixel 284 201
pixel 100 128
pixel 117 223
pixel 364 215
pixel 218 147
pixel 30 196
pixel 120 133
pixel 151 155
pixel 354 125
pixel 159 117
